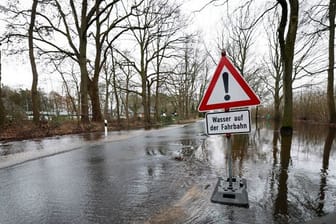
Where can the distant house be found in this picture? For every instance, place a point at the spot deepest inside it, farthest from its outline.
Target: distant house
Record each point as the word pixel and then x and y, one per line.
pixel 46 115
pixel 141 113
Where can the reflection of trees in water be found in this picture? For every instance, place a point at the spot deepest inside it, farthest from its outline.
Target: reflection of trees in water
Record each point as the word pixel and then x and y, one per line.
pixel 288 202
pixel 239 151
pixel 301 200
pixel 281 200
pixel 307 200
pixel 246 147
pixel 309 135
pixel 156 150
pixel 324 171
pixel 306 134
pixel 327 148
pixel 188 147
pixel 184 148
pixel 274 171
pixel 92 136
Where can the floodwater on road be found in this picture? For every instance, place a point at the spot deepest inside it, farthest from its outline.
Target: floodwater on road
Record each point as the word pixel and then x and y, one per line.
pixel 168 176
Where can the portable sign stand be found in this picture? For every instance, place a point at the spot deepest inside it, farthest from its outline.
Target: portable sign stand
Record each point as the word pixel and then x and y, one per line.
pixel 228 89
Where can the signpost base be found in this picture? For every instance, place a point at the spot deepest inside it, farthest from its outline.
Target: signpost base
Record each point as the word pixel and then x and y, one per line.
pixel 231 193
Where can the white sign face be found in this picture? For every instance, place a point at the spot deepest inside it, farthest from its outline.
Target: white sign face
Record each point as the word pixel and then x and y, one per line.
pixel 232 122
pixel 227 89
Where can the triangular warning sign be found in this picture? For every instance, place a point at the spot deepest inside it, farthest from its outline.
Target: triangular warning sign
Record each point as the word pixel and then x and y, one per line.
pixel 227 89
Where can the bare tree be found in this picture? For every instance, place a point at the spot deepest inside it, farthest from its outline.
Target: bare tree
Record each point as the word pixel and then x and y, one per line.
pixel 203 80
pixel 237 39
pixel 115 88
pixel 289 20
pixel 152 46
pixel 107 82
pixel 35 96
pixel 273 68
pixel 317 18
pixel 108 29
pixel 187 81
pixel 331 64
pixel 191 64
pixel 168 26
pixel 2 108
pixel 304 57
pixel 127 72
pixel 69 85
pixel 70 30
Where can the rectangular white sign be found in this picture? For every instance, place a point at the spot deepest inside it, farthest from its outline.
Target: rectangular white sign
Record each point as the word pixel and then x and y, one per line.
pixel 231 122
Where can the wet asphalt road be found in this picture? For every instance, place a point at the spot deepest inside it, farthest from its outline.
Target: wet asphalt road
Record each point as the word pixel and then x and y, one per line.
pixel 164 176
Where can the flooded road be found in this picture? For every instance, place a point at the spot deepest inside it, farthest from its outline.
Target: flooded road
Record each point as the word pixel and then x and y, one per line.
pixel 168 176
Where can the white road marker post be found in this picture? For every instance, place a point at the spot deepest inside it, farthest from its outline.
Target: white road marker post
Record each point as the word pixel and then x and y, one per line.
pixel 105 127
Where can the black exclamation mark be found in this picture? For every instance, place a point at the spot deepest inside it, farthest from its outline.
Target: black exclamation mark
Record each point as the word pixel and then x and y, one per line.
pixel 226 85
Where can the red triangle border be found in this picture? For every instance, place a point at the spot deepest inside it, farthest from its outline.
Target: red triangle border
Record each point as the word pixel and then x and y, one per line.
pixel 254 100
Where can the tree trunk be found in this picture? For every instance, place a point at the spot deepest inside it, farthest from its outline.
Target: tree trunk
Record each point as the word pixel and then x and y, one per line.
pixel 84 91
pixel 82 65
pixel 277 101
pixel 95 101
pixel 115 90
pixel 148 107
pixel 127 97
pixel 2 108
pixel 73 104
pixel 277 114
pixel 287 44
pixel 144 97
pixel 107 94
pixel 94 93
pixel 34 92
pixel 330 88
pixel 157 103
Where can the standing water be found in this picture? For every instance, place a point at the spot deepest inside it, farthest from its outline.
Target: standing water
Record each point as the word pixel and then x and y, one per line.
pixel 168 176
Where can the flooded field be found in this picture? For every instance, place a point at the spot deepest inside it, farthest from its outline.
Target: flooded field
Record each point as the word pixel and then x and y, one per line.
pixel 168 176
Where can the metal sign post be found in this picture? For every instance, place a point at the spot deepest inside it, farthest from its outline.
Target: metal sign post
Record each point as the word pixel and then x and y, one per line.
pixel 232 190
pixel 229 157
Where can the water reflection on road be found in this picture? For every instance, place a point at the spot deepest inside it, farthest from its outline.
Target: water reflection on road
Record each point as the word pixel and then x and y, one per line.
pixel 17 152
pixel 168 175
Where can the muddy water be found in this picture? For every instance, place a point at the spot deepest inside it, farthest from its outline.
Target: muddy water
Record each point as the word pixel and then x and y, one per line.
pixel 168 176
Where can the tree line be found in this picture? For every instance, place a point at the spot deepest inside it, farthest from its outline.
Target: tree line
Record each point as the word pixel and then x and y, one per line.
pixel 119 48
pixel 116 50
pixel 55 106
